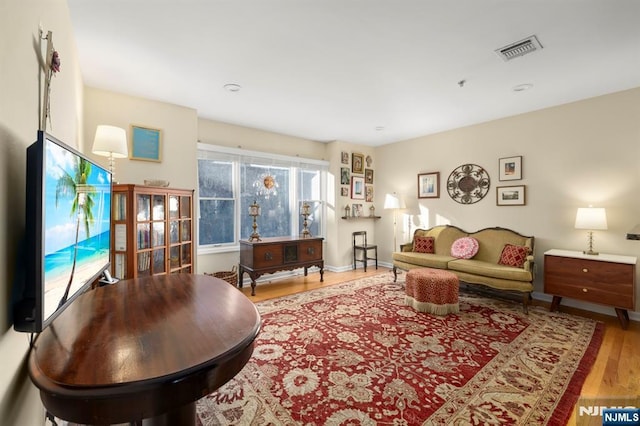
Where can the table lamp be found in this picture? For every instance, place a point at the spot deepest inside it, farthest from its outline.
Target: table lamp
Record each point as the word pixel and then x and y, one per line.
pixel 591 219
pixel 110 141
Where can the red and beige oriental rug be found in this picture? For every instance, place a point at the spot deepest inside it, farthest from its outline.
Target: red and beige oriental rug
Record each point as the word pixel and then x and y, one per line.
pixel 354 354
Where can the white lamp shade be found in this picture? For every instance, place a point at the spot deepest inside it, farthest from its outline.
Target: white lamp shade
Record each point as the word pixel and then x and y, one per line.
pixel 391 201
pixel 591 218
pixel 110 141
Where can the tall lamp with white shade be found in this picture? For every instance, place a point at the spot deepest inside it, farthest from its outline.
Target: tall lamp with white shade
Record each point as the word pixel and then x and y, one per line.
pixel 591 219
pixel 110 141
pixel 392 201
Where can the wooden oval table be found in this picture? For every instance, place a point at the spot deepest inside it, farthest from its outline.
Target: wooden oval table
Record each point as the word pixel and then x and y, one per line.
pixel 146 348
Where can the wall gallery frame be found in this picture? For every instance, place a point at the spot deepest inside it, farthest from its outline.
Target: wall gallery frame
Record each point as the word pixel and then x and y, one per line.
pixel 357 187
pixel 368 175
pixel 344 175
pixel 511 195
pixel 429 185
pixel 368 193
pixel 146 144
pixel 344 156
pixel 510 168
pixel 357 163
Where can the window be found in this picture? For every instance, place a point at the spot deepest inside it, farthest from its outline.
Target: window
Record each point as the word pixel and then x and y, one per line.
pixel 230 180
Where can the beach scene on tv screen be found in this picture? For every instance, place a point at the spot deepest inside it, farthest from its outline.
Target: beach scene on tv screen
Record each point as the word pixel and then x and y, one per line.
pixel 77 197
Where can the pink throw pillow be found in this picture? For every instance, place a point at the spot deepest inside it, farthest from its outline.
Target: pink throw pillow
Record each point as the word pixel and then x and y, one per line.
pixel 423 245
pixel 513 255
pixel 464 248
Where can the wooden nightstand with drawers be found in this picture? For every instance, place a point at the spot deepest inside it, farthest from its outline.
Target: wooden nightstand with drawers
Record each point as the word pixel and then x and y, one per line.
pixel 605 279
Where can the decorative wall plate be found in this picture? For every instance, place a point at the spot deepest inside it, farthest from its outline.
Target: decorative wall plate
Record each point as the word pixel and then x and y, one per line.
pixel 468 184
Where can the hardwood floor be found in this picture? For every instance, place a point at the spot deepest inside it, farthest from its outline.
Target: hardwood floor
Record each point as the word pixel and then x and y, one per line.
pixel 616 371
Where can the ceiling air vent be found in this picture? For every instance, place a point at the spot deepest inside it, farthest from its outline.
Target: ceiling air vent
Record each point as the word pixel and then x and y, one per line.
pixel 519 48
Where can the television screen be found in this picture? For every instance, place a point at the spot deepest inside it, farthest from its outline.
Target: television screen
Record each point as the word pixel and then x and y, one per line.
pixel 68 216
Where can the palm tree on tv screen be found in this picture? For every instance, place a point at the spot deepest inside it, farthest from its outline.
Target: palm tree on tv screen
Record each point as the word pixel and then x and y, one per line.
pixel 82 207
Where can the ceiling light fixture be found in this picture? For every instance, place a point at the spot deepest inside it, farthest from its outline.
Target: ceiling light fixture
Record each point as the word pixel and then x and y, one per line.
pixel 522 87
pixel 232 87
pixel 379 128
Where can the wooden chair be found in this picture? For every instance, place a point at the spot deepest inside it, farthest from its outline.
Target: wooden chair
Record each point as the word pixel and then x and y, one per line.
pixel 361 249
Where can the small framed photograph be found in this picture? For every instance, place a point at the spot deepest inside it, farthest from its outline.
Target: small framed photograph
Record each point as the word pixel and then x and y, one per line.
pixel 511 195
pixel 510 168
pixel 357 163
pixel 357 187
pixel 344 176
pixel 368 193
pixel 345 157
pixel 368 175
pixel 357 210
pixel 429 185
pixel 146 144
pixel 344 191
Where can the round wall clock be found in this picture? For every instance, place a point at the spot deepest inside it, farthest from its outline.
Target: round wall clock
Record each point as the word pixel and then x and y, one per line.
pixel 468 184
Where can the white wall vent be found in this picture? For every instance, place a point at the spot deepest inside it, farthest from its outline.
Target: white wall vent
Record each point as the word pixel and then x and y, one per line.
pixel 519 48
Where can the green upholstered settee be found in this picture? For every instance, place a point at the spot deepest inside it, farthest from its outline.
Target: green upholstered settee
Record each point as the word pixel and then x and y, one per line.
pixel 483 268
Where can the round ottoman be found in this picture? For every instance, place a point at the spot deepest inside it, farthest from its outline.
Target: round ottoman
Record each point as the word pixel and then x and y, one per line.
pixel 432 290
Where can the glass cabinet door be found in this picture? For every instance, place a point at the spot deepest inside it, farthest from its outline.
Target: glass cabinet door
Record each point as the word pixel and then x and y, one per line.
pixel 174 232
pixel 158 207
pixel 174 206
pixel 143 236
pixel 185 207
pixel 144 207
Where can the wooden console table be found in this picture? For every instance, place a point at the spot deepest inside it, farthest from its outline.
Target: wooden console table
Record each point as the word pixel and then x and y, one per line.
pixel 279 254
pixel 145 348
pixel 604 279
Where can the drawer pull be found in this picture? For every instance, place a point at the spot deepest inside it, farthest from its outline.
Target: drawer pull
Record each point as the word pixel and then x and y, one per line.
pixel 584 290
pixel 268 256
pixel 585 270
pixel 310 250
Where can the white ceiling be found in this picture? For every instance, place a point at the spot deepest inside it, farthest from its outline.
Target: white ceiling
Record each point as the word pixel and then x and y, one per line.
pixel 329 70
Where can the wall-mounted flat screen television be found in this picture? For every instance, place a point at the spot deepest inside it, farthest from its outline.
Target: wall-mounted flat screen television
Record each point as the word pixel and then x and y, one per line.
pixel 68 216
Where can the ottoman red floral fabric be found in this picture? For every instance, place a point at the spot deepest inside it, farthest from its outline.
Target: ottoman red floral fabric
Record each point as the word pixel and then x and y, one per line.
pixel 432 290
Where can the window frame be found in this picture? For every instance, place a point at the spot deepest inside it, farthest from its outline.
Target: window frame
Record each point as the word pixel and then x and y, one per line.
pixel 237 157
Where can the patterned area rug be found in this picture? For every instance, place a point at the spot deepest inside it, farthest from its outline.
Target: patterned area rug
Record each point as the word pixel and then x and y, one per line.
pixel 354 354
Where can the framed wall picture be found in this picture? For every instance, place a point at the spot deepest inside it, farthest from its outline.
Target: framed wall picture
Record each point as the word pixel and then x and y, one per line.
pixel 357 163
pixel 510 168
pixel 357 187
pixel 358 211
pixel 344 157
pixel 429 185
pixel 344 191
pixel 368 193
pixel 146 144
pixel 344 176
pixel 511 195
pixel 368 175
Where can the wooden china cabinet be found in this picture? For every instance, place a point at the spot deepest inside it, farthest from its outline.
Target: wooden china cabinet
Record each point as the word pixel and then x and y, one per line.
pixel 151 231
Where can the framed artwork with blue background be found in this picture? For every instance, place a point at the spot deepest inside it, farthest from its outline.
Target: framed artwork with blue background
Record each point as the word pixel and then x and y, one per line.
pixel 146 144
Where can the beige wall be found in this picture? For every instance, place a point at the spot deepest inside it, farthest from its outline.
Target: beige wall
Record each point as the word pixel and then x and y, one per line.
pixel 178 126
pixel 21 89
pixel 574 155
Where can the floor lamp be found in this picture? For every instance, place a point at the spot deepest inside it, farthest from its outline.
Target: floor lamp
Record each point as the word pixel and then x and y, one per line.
pixel 391 201
pixel 111 142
